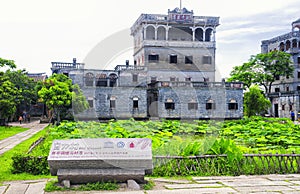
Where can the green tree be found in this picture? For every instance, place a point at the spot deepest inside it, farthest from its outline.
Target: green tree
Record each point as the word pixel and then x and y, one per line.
pixel 263 69
pixel 8 63
pixel 26 87
pixel 8 93
pixel 60 95
pixel 255 103
pixel 56 93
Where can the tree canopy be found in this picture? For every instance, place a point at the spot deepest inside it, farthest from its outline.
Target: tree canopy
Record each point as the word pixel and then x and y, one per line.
pixel 263 69
pixel 255 103
pixel 58 93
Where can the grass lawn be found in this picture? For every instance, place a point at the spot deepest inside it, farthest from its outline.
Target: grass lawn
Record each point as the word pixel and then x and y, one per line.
pixel 9 131
pixel 6 161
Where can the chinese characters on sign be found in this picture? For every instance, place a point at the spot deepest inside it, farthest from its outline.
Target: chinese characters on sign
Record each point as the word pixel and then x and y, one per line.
pixel 106 148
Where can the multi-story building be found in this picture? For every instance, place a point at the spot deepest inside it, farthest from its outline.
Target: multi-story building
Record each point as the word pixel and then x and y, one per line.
pixel 286 90
pixel 173 75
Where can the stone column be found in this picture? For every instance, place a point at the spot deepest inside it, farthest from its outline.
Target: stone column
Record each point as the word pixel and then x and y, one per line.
pixel 167 32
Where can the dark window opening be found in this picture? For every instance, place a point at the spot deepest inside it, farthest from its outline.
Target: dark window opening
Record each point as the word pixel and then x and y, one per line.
pixel 298 88
pixel 66 74
pixel 233 106
pixel 135 103
pixel 112 103
pixel 91 103
pixel 298 60
pixel 192 106
pixel 170 105
pixel 207 60
pixel 210 106
pixel 188 59
pixel 101 82
pixel 173 59
pixel 298 74
pixel 277 77
pixel 153 58
pixel 291 107
pixel 283 107
pixel 112 80
pixel 287 89
pixel 135 77
pixel 277 89
pixel 172 79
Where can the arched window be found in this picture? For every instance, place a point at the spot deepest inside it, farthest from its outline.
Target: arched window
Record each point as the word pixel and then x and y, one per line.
pixel 112 80
pixel 161 33
pixel 199 34
pixel 294 43
pixel 281 46
pixel 89 79
pixel 101 80
pixel 150 33
pixel 288 45
pixel 208 35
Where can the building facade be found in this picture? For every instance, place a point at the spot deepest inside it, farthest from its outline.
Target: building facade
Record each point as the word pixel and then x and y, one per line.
pixel 286 90
pixel 172 77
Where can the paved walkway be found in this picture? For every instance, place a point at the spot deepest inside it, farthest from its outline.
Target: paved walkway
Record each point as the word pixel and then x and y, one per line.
pixel 284 184
pixel 9 143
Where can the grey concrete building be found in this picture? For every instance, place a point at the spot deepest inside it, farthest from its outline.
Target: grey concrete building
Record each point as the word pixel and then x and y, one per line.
pixel 173 75
pixel 286 91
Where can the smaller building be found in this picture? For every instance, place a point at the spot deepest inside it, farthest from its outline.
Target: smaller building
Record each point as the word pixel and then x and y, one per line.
pixel 286 90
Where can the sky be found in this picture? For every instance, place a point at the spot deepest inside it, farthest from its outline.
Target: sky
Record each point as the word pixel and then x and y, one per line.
pixel 35 33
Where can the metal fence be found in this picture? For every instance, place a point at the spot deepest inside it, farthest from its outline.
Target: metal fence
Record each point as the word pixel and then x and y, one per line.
pixel 248 164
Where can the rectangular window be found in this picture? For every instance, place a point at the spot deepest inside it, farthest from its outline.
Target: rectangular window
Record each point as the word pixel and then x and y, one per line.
pixel 91 103
pixel 134 77
pixel 193 106
pixel 233 106
pixel 170 105
pixel 207 60
pixel 298 88
pixel 153 58
pixel 173 59
pixel 298 74
pixel 135 104
pixel 277 77
pixel 291 107
pixel 172 79
pixel 188 59
pixel 89 81
pixel 298 60
pixel 210 106
pixel 101 82
pixel 287 89
pixel 283 107
pixel 277 89
pixel 112 103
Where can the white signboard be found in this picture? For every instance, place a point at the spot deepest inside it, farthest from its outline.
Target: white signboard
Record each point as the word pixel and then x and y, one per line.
pixel 101 148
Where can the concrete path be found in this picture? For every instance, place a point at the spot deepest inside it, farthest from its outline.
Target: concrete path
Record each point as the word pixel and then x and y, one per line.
pixel 284 184
pixel 9 143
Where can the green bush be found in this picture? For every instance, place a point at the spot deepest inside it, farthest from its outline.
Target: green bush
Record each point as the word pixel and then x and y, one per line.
pixel 36 165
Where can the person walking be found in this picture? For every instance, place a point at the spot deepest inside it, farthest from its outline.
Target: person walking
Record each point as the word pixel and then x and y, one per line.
pixel 20 119
pixel 292 115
